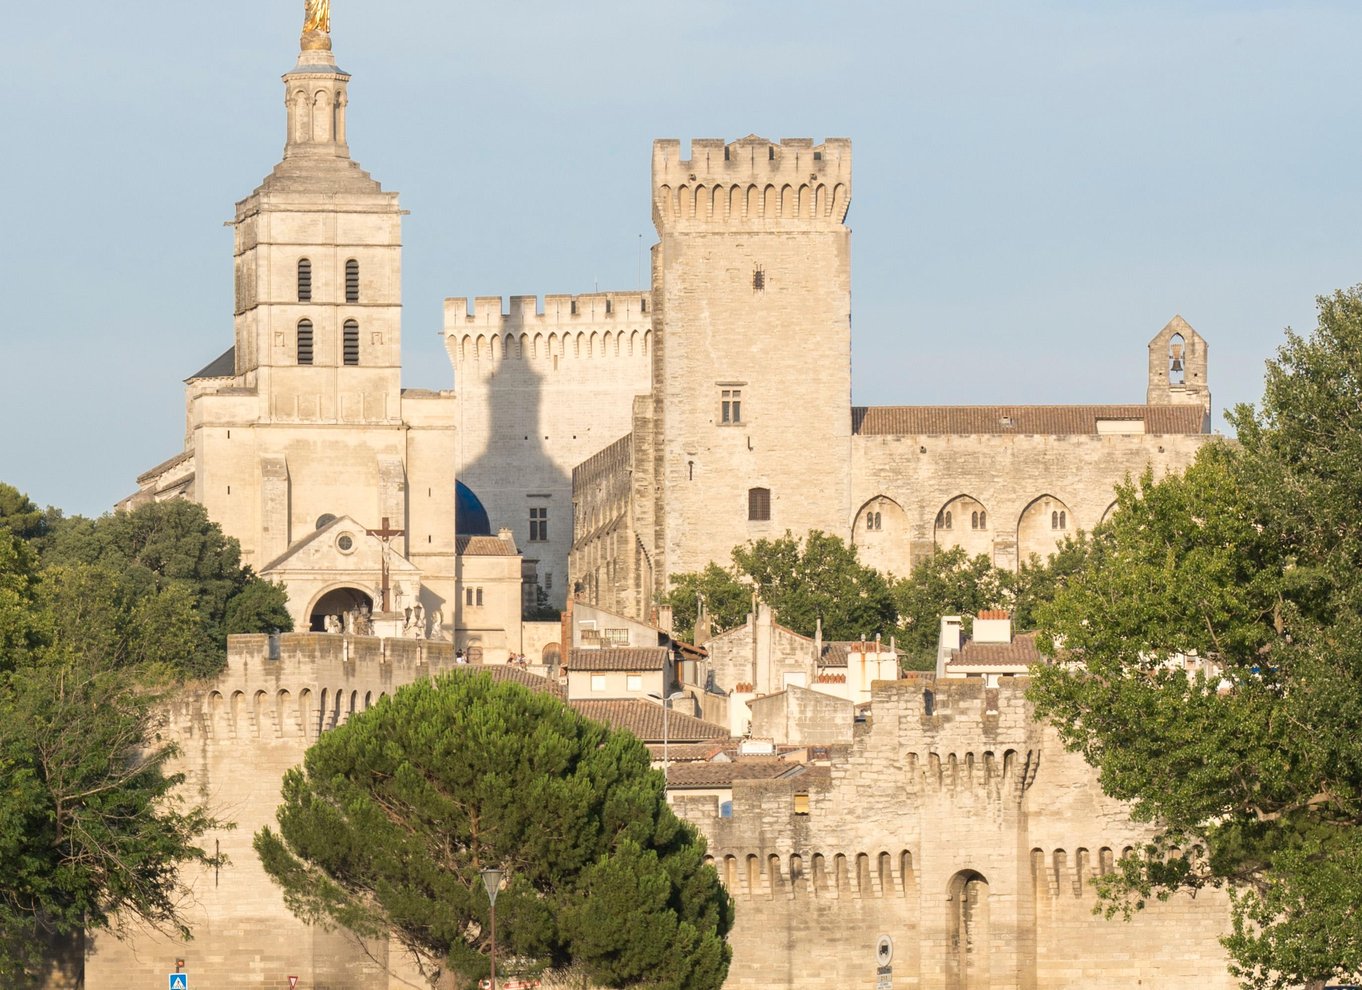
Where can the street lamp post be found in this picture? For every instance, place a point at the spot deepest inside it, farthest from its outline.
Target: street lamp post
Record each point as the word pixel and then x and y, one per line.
pixel 491 879
pixel 666 704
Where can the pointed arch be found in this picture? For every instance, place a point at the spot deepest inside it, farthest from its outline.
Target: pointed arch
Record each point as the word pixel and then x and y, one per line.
pixel 1043 524
pixel 880 533
pixel 964 521
pixel 839 202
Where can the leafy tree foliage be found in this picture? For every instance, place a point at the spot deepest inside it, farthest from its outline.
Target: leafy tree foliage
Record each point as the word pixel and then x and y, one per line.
pixel 386 826
pixel 88 824
pixel 1251 559
pixel 949 582
pixel 726 599
pixel 818 577
pixel 166 563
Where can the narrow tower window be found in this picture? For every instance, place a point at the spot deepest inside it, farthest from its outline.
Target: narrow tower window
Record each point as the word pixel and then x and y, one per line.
pixel 351 343
pixel 759 504
pixel 352 281
pixel 758 279
pixel 304 341
pixel 304 281
pixel 539 524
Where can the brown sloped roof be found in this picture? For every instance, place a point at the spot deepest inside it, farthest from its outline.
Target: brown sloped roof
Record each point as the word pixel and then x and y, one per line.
pixel 484 546
pixel 1022 420
pixel 723 774
pixel 1022 650
pixel 164 466
pixel 619 658
pixel 644 719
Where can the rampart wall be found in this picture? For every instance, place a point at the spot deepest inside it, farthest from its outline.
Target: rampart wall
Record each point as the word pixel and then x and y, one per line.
pixel 970 837
pixel 238 735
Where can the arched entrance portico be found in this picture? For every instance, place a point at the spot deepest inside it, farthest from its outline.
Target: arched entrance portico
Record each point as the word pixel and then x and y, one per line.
pixel 338 601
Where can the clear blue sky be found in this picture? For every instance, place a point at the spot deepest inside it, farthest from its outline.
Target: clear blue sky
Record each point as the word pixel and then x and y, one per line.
pixel 1039 186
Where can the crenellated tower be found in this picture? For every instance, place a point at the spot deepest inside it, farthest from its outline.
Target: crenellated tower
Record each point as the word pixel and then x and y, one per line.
pixel 751 410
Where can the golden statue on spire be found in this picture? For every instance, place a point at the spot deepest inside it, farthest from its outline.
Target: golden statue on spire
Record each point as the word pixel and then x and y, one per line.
pixel 316 25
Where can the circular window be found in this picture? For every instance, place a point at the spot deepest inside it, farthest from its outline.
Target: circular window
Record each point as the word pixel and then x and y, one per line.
pixel 345 543
pixel 326 520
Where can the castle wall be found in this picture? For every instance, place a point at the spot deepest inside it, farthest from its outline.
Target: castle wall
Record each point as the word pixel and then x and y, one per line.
pixel 540 391
pixel 1020 481
pixel 606 562
pixel 237 737
pixel 971 838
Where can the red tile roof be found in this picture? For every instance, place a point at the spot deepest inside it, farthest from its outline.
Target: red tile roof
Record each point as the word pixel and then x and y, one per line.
pixel 619 658
pixel 1022 650
pixel 484 546
pixel 644 719
pixel 1023 420
pixel 514 675
pixel 723 774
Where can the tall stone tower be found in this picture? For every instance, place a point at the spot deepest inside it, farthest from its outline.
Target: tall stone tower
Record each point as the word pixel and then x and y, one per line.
pixel 750 430
pixel 1178 358
pixel 304 445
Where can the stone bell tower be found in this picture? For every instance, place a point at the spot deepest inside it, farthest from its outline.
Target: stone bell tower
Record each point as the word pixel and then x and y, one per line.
pixel 319 262
pixel 1178 358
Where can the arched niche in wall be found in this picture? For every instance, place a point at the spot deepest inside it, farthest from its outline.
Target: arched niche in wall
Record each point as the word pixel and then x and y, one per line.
pixel 964 522
pixel 1042 527
pixel 968 937
pixel 880 535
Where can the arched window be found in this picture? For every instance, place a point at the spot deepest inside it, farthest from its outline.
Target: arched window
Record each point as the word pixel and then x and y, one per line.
pixel 974 520
pixel 304 281
pixel 304 341
pixel 352 281
pixel 873 521
pixel 878 521
pixel 351 343
pixel 983 519
pixel 1177 355
pixel 943 519
pixel 1059 520
pixel 759 504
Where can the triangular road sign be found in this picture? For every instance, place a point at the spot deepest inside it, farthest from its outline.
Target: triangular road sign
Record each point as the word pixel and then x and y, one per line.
pixel 292 982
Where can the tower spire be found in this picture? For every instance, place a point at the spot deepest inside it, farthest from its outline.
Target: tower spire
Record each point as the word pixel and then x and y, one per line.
pixel 316 91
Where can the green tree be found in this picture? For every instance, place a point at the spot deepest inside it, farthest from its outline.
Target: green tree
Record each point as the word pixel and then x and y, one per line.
pixel 949 582
pixel 385 828
pixel 818 577
pixel 727 600
pixel 1251 560
pixel 166 562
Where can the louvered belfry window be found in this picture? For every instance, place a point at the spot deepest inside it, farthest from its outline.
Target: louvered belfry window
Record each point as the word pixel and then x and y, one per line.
pixel 304 341
pixel 352 281
pixel 304 280
pixel 351 343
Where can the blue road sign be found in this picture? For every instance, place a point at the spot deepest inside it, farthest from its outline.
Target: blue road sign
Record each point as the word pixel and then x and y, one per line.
pixel 179 981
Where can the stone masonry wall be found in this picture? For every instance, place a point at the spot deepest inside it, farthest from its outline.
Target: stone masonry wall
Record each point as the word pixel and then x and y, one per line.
pixel 970 838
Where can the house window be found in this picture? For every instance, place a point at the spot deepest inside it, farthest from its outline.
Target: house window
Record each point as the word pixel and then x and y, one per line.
pixel 304 280
pixel 730 405
pixel 978 520
pixel 539 524
pixel 472 596
pixel 759 504
pixel 1059 520
pixel 758 279
pixel 873 521
pixel 634 682
pixel 944 519
pixel 801 804
pixel 304 341
pixel 548 580
pixel 597 682
pixel 351 343
pixel 352 281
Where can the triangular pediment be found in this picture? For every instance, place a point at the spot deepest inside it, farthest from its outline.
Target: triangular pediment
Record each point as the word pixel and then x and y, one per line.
pixel 340 547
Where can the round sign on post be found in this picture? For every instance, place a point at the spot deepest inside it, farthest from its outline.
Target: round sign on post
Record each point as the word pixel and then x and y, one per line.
pixel 884 950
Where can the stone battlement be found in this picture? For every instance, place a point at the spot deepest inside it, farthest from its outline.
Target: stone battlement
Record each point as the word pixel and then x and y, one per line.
pixel 603 324
pixel 752 182
pixel 493 314
pixel 311 683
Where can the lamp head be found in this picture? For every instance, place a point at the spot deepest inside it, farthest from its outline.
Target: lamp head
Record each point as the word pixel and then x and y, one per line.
pixel 491 879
